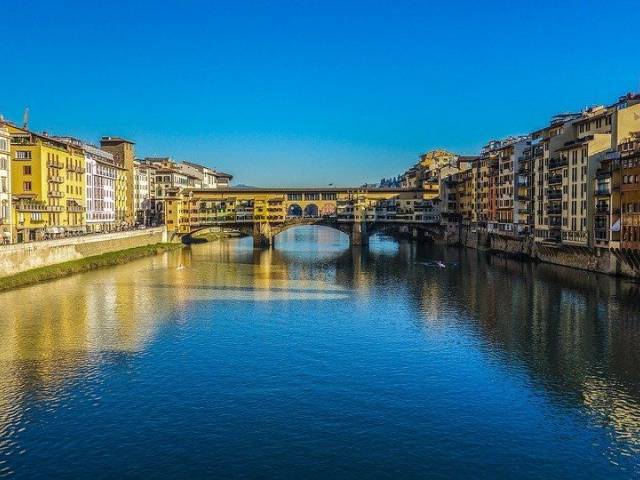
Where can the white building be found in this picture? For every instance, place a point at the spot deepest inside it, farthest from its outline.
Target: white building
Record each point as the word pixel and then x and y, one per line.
pixel 5 185
pixel 144 181
pixel 208 177
pixel 102 173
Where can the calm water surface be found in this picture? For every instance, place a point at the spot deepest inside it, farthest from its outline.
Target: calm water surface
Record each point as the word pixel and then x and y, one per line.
pixel 314 360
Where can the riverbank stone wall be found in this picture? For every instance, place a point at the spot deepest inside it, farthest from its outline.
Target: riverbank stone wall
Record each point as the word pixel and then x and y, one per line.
pixel 27 256
pixel 592 259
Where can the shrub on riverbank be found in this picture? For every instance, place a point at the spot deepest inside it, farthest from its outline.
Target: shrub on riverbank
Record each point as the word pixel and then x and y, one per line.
pixel 65 269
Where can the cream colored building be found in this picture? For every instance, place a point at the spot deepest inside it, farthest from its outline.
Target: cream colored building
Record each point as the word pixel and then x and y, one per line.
pixel 582 158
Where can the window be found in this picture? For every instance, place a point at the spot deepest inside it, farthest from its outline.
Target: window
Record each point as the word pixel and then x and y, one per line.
pixel 26 186
pixel 26 170
pixel 23 155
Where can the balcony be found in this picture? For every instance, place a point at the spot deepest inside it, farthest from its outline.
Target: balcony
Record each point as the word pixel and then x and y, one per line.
pixel 55 194
pixel 555 179
pixel 555 222
pixel 558 163
pixel 554 194
pixel 30 206
pixel 55 164
pixel 603 190
pixel 56 179
pixel 554 210
pixel 74 207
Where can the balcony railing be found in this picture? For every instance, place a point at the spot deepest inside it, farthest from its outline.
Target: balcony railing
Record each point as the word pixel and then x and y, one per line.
pixel 554 195
pixel 56 179
pixel 555 179
pixel 558 163
pixel 30 207
pixel 555 222
pixel 55 194
pixel 554 210
pixel 603 190
pixel 55 164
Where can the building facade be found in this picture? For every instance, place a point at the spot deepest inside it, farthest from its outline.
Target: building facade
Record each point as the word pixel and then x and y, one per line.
pixel 48 185
pixel 143 192
pixel 629 150
pixel 6 220
pixel 123 152
pixel 206 177
pixel 102 176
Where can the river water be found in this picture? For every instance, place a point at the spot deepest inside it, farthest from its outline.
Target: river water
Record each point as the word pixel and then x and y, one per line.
pixel 314 360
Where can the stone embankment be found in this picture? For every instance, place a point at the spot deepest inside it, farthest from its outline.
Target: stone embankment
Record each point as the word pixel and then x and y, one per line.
pixel 23 257
pixel 601 260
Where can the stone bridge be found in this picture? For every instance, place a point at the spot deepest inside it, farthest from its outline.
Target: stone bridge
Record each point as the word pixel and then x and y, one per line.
pixel 264 233
pixel 264 213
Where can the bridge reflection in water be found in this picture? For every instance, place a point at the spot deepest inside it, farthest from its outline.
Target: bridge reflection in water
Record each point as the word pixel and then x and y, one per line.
pixel 84 348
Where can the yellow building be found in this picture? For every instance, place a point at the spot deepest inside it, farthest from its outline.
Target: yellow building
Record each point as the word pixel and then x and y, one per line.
pixel 426 173
pixel 48 185
pixel 122 197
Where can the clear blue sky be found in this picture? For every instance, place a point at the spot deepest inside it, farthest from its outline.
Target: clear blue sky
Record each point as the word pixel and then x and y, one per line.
pixel 311 92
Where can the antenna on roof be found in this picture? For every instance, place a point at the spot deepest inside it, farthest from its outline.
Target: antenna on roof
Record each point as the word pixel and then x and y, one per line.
pixel 25 118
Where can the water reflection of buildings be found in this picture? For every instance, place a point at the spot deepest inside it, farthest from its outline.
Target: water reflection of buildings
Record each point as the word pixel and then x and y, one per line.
pixel 576 333
pixel 65 328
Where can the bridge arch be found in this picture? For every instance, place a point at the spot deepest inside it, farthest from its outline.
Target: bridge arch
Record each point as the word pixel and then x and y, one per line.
pixel 294 210
pixel 311 211
pixel 306 222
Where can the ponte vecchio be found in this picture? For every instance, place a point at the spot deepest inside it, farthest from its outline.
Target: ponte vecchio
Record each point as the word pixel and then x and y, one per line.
pixel 265 212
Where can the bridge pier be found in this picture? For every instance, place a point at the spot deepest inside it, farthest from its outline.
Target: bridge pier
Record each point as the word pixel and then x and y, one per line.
pixel 263 237
pixel 359 234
